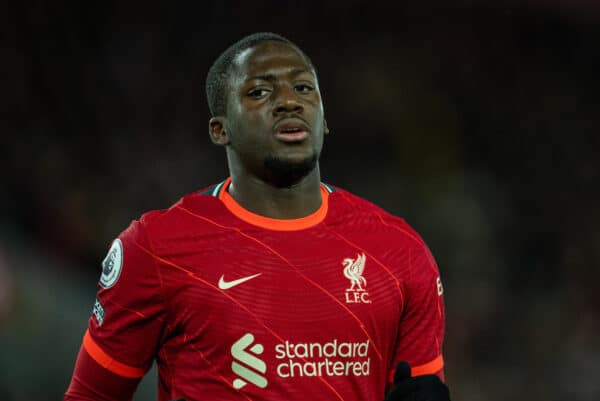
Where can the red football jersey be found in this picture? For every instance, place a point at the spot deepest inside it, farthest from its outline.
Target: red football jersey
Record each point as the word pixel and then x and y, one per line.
pixel 233 305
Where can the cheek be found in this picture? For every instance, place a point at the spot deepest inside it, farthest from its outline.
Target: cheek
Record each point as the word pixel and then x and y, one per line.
pixel 250 130
pixel 258 123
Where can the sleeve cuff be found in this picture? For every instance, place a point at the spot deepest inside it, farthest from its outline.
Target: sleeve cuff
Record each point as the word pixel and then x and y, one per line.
pixel 429 368
pixel 107 362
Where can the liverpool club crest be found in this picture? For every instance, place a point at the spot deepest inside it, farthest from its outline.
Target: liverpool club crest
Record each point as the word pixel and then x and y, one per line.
pixel 353 271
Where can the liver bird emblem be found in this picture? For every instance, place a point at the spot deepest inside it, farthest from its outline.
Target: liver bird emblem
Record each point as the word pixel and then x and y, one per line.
pixel 353 270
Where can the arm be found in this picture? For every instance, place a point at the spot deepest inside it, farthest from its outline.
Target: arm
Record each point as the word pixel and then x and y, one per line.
pixel 93 382
pixel 125 328
pixel 421 332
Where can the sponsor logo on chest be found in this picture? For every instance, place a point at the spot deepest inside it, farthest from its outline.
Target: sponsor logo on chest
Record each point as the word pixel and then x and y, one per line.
pixel 303 359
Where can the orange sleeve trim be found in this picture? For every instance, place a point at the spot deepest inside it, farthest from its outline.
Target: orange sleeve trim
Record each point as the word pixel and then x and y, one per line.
pixel 429 368
pixel 108 362
pixel 270 223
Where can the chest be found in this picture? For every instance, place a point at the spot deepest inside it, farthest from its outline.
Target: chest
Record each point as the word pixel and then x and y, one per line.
pixel 292 284
pixel 272 311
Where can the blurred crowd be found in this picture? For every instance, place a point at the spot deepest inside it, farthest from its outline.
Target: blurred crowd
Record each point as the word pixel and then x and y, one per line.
pixel 478 124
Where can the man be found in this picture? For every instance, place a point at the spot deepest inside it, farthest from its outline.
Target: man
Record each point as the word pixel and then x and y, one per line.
pixel 269 285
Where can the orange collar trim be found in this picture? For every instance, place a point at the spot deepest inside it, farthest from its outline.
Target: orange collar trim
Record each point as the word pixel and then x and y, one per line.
pixel 270 223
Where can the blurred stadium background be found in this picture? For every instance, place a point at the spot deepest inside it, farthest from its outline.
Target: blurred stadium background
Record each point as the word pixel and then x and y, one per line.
pixel 478 123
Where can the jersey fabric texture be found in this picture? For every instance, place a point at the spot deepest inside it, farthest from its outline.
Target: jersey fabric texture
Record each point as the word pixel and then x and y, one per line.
pixel 232 305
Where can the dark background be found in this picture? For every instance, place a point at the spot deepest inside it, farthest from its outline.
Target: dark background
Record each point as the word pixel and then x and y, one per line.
pixel 476 123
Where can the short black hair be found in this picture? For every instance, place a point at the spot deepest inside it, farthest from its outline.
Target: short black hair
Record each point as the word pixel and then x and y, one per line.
pixel 219 72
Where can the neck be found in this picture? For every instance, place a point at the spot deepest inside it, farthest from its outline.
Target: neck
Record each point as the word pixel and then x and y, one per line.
pixel 265 199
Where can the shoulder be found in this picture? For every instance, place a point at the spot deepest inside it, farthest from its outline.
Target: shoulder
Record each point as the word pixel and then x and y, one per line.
pixel 341 195
pixel 350 206
pixel 192 211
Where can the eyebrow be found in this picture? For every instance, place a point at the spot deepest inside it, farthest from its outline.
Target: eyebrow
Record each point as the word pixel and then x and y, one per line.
pixel 272 77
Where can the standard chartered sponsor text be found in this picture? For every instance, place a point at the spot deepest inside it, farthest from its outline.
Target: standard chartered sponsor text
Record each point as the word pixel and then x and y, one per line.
pixel 333 358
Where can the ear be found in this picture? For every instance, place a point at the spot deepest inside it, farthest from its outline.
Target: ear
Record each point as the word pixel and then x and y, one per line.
pixel 325 127
pixel 216 130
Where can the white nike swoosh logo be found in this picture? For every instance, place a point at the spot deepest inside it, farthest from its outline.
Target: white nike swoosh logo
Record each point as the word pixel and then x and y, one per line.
pixel 225 285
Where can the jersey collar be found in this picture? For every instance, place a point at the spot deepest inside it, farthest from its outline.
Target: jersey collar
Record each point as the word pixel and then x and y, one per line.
pixel 270 223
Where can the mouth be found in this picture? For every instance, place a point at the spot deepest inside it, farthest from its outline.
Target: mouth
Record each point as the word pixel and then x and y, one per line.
pixel 291 131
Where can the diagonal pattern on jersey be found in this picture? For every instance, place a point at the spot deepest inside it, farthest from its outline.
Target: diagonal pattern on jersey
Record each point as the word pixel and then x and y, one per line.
pixel 224 293
pixel 295 268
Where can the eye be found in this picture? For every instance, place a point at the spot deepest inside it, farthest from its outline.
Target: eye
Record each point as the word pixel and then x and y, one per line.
pixel 304 88
pixel 258 93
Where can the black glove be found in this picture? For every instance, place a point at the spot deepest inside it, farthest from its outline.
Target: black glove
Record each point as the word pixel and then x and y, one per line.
pixel 419 388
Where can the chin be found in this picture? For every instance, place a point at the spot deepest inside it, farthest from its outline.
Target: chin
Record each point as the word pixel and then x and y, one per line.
pixel 286 172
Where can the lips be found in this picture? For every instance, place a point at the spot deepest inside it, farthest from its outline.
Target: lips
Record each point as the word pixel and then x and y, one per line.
pixel 291 130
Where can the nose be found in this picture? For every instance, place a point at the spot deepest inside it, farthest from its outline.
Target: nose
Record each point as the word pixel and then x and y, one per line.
pixel 287 101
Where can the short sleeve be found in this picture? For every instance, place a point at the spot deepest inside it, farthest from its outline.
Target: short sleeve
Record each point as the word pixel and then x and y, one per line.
pixel 128 315
pixel 422 325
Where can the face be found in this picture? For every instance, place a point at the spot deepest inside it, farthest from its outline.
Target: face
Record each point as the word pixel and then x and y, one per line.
pixel 274 125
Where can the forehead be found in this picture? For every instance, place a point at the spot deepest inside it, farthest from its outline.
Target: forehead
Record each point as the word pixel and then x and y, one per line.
pixel 268 58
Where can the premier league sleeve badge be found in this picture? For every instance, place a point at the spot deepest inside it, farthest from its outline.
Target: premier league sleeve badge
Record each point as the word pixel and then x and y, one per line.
pixel 112 265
